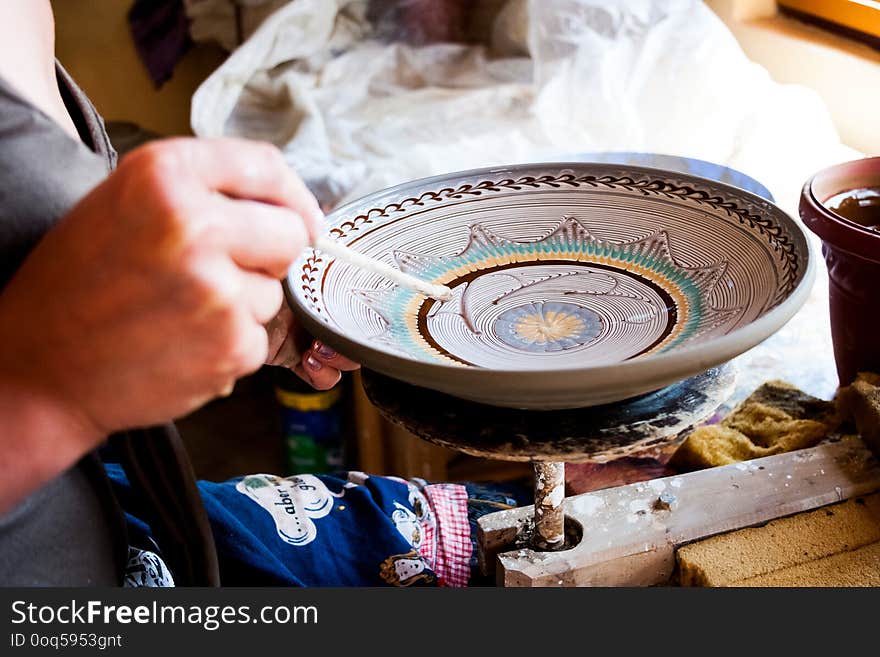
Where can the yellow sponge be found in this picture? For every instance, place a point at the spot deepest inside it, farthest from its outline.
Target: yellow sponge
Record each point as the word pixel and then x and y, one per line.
pixel 860 402
pixel 776 418
pixel 743 557
pixel 857 568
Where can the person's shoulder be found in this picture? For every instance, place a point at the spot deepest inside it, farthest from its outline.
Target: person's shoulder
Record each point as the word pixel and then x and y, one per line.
pixel 27 54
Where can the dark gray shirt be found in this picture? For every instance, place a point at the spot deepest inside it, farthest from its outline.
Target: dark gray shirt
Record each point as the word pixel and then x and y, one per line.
pixel 69 533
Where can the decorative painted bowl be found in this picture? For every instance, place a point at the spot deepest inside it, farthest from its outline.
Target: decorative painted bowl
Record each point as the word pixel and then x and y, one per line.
pixel 574 284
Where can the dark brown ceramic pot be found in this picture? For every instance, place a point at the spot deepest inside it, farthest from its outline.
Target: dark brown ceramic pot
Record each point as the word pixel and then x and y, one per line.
pixel 852 254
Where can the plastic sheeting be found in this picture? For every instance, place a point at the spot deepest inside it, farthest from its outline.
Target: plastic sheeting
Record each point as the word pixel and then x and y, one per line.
pixel 354 112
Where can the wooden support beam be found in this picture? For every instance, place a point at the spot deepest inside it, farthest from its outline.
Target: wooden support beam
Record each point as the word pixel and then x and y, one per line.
pixel 630 532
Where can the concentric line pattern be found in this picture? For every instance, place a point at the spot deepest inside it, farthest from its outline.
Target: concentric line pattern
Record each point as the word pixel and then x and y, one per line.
pixel 552 268
pixel 765 226
pixel 533 303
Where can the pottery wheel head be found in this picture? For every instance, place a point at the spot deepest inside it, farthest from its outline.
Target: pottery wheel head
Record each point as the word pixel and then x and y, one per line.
pixel 650 426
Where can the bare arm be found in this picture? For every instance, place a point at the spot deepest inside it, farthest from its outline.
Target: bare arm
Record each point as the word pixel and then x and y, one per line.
pixel 146 301
pixel 150 297
pixel 27 56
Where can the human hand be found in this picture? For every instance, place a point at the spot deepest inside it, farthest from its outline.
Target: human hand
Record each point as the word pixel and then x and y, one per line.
pixel 313 361
pixel 150 297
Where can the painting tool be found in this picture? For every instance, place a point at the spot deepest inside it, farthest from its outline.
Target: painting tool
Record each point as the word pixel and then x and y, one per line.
pixel 352 257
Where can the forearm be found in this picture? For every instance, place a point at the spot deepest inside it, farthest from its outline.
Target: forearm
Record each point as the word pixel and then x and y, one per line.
pixel 39 439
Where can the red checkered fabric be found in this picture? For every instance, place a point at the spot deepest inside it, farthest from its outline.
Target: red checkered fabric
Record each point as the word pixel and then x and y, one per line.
pixel 447 543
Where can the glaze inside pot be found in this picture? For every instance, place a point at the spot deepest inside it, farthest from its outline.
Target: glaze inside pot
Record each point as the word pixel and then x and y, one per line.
pixel 861 206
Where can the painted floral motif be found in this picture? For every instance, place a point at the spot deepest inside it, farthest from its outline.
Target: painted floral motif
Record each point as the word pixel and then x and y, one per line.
pixel 527 301
pixel 547 326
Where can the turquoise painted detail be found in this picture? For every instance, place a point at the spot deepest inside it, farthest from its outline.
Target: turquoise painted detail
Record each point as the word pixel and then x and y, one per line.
pixel 485 256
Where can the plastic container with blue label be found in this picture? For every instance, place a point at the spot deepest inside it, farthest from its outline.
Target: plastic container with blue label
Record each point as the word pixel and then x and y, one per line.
pixel 312 422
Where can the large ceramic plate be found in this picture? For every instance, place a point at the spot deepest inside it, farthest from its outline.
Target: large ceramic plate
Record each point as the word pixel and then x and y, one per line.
pixel 574 284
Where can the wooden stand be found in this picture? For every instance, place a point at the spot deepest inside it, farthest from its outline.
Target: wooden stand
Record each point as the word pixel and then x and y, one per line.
pixel 630 532
pixel 642 426
pixel 549 518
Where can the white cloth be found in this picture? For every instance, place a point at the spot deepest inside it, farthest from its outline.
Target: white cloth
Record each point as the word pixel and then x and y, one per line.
pixel 353 113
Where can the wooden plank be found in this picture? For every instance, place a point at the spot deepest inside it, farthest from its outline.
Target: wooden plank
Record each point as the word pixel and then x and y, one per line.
pixel 859 16
pixel 463 467
pixel 368 431
pixel 411 456
pixel 631 532
pixel 384 448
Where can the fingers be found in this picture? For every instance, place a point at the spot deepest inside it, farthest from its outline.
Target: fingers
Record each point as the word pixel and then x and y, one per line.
pixel 260 237
pixel 282 348
pixel 240 193
pixel 326 355
pixel 314 362
pixel 239 349
pixel 321 366
pixel 251 170
pixel 216 284
pixel 317 375
pixel 262 295
pixel 251 355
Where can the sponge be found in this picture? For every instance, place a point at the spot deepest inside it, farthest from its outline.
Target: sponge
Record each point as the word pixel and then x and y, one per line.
pixel 749 556
pixel 857 568
pixel 776 418
pixel 860 402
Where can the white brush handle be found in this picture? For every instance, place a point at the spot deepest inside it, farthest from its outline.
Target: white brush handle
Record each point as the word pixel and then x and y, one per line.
pixel 342 252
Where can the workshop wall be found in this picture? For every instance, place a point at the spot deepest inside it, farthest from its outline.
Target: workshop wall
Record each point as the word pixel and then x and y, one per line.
pixel 94 43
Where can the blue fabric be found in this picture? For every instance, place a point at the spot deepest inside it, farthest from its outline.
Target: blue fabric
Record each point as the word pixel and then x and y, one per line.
pixel 307 530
